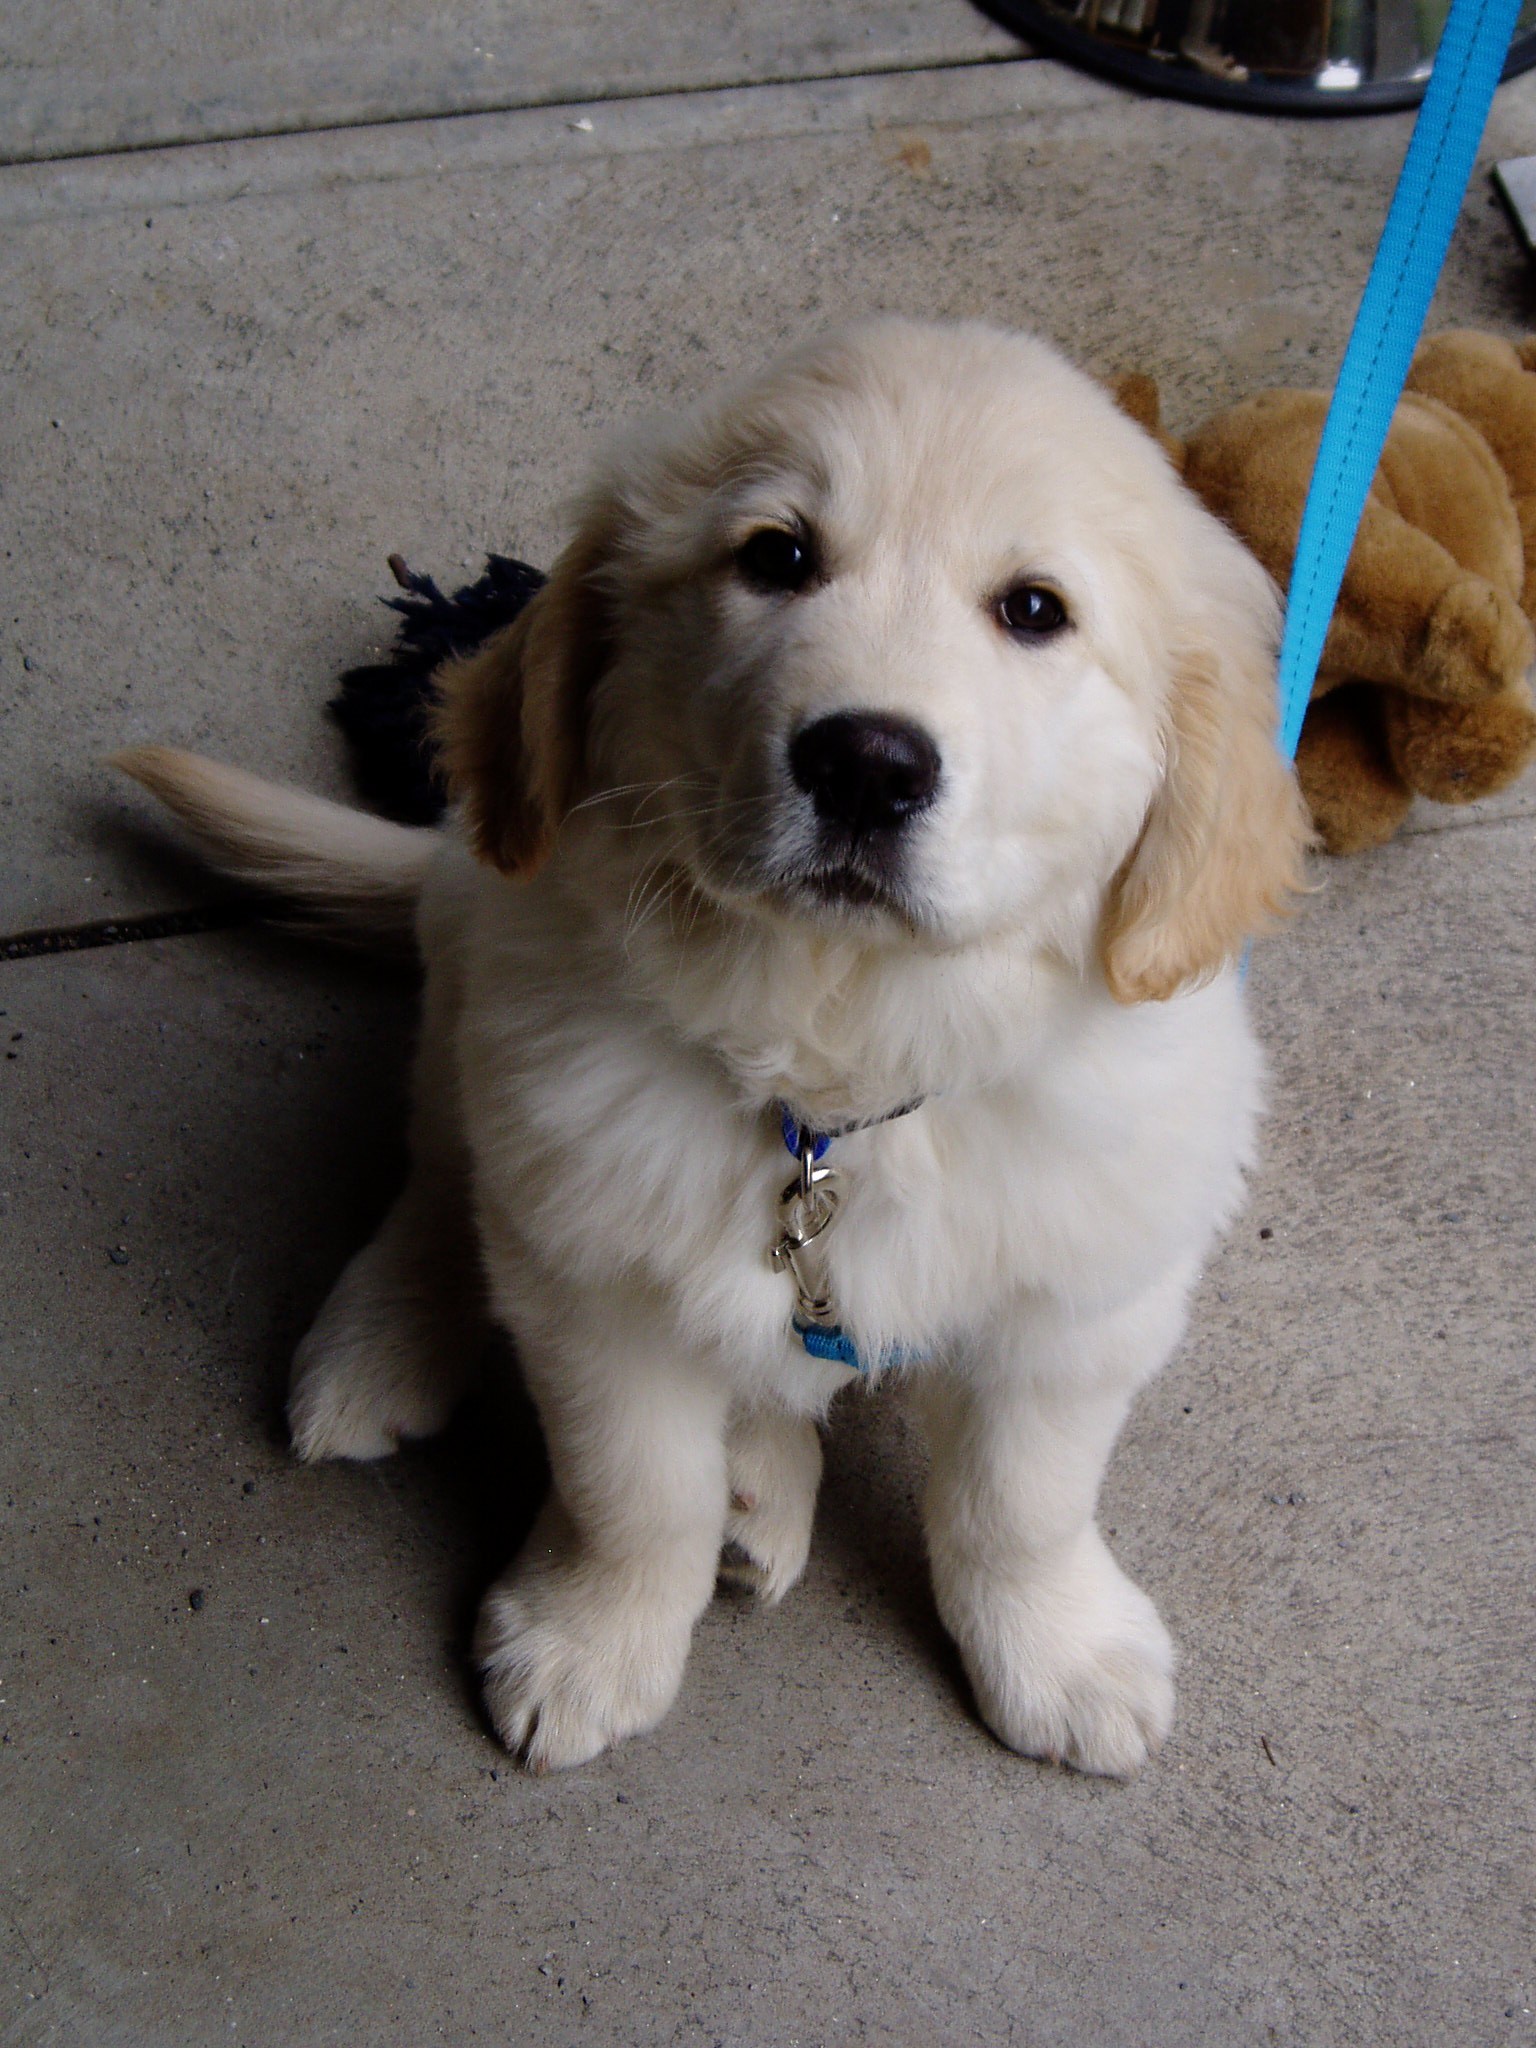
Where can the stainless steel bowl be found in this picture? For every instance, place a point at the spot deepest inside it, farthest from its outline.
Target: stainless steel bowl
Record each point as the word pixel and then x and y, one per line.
pixel 1290 56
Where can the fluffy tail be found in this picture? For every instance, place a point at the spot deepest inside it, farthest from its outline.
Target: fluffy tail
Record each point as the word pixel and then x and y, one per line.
pixel 348 866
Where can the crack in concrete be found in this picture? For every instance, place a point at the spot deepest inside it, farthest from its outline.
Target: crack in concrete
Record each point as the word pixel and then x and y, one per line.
pixel 447 106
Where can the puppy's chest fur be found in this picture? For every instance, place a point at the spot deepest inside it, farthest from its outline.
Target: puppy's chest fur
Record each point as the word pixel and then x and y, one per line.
pixel 612 1150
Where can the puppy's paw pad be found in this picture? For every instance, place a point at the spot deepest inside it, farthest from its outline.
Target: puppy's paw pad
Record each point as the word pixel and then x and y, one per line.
pixel 348 1401
pixel 568 1677
pixel 387 1357
pixel 1105 1718
pixel 775 1467
pixel 545 1730
pixel 1076 1677
pixel 324 1423
pixel 766 1574
pixel 766 1548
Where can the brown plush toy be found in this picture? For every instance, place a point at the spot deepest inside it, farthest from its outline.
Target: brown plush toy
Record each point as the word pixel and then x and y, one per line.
pixel 1422 684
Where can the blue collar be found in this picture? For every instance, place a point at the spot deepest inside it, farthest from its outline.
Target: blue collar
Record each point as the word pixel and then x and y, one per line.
pixel 796 1133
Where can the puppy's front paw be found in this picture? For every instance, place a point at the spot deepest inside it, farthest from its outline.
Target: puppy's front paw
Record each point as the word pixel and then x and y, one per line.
pixel 1071 1664
pixel 387 1357
pixel 576 1660
pixel 774 1462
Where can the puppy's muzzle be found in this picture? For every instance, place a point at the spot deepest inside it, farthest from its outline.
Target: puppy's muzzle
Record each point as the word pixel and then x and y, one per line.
pixel 865 773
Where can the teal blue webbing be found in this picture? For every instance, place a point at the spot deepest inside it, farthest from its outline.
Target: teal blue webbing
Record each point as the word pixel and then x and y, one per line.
pixel 1386 330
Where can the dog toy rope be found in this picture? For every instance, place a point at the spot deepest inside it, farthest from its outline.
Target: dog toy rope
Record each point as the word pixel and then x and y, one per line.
pixel 1397 293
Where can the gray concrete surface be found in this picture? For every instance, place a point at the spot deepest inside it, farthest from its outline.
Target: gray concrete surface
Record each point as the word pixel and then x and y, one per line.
pixel 76 81
pixel 245 1794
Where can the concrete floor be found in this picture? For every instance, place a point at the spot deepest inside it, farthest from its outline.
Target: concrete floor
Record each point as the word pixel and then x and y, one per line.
pixel 245 1794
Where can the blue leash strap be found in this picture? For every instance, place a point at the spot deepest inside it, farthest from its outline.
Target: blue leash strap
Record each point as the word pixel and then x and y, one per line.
pixel 1403 275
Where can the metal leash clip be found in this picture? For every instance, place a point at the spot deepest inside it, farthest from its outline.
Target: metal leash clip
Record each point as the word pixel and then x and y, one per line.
pixel 806 1209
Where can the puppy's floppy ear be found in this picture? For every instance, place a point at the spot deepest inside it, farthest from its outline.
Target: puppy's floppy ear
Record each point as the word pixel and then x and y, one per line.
pixel 511 722
pixel 1222 847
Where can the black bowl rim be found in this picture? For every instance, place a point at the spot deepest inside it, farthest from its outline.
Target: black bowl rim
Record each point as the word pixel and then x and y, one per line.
pixel 1171 80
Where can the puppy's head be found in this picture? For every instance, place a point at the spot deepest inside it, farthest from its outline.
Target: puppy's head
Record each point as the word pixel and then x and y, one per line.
pixel 915 635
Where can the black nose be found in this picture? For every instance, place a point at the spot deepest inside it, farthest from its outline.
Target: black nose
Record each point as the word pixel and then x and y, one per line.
pixel 864 770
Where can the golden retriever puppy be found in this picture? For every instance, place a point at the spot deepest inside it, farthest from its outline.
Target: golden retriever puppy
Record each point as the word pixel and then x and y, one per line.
pixel 890 760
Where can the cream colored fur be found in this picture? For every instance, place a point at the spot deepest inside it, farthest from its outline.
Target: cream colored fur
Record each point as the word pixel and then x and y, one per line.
pixel 362 873
pixel 633 972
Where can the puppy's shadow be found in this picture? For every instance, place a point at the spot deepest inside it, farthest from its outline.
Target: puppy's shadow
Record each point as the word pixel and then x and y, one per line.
pixel 869 1527
pixel 483 1482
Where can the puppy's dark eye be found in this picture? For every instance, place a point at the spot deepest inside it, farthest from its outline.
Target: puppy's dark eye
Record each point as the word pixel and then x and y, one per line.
pixel 775 558
pixel 1031 611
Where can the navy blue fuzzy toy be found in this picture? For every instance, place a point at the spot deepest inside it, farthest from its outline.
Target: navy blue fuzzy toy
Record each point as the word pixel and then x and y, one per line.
pixel 384 707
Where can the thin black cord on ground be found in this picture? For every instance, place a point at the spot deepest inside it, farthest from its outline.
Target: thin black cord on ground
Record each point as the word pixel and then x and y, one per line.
pixel 129 931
